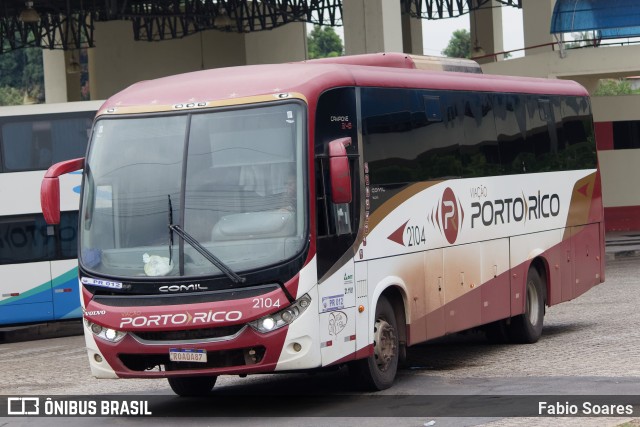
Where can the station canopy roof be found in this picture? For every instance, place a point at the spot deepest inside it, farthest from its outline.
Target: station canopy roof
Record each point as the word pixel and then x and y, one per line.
pixel 69 24
pixel 609 18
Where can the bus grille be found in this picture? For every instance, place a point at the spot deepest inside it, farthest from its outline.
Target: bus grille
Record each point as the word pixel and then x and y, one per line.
pixel 189 334
pixel 215 359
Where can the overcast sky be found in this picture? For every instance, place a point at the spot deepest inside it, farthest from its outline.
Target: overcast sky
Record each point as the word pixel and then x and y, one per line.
pixel 436 33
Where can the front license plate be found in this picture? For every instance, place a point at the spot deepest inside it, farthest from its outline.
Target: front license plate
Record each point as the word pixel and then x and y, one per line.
pixel 187 355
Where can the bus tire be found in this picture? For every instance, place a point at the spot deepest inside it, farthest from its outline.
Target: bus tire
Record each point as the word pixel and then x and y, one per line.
pixel 378 371
pixel 192 386
pixel 526 328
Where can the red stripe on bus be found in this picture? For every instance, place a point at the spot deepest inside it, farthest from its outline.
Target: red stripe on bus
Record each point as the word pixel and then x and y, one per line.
pixel 604 135
pixel 622 218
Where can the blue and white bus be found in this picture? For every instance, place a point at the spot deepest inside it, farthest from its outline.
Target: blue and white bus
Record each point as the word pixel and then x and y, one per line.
pixel 38 266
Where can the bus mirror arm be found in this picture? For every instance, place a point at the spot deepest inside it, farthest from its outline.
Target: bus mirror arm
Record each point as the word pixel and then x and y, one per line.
pixel 50 189
pixel 339 173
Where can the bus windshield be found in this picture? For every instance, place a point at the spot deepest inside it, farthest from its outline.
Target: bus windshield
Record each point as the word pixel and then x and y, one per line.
pixel 231 179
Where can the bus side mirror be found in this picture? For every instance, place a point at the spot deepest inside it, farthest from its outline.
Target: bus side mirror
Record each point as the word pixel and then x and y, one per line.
pixel 50 189
pixel 339 173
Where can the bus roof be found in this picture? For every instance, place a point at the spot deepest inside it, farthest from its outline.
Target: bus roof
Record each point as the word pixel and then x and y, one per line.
pixel 312 78
pixel 402 60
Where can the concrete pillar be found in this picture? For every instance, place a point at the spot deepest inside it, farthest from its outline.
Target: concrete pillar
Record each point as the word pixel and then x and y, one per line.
pixel 486 32
pixel 590 83
pixel 74 86
pixel 536 16
pixel 372 26
pixel 412 35
pixel 287 43
pixel 55 76
pixel 118 60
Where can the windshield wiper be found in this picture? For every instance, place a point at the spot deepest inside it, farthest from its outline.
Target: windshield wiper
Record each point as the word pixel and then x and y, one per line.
pixel 206 253
pixel 201 249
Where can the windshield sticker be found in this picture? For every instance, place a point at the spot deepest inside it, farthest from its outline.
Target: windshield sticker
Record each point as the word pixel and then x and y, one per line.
pixel 101 283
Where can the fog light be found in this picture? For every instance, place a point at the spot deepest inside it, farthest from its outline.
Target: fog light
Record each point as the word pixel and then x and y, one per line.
pixel 96 329
pixel 297 347
pixel 97 358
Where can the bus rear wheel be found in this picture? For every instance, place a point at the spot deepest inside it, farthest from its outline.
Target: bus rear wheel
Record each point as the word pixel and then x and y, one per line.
pixel 378 371
pixel 192 386
pixel 526 328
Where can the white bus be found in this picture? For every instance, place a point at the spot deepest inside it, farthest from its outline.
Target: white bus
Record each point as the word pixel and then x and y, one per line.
pixel 38 267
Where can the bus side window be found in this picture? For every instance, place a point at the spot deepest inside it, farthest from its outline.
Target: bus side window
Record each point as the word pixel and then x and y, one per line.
pixel 516 153
pixel 37 142
pixel 580 149
pixel 337 225
pixel 479 149
pixel 16 146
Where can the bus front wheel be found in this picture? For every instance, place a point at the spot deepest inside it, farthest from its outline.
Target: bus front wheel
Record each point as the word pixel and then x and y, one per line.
pixel 527 327
pixel 378 371
pixel 192 386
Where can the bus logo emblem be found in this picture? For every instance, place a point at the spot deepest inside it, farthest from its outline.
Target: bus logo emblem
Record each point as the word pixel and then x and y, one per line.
pixel 449 215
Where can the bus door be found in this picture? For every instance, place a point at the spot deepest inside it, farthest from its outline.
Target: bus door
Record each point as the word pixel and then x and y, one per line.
pixel 338 272
pixel 339 221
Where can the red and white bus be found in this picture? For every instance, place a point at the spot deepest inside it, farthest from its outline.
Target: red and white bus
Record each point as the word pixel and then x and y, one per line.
pixel 304 215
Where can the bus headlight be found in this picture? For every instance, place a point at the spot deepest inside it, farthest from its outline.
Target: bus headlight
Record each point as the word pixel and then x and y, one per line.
pixel 284 317
pixel 106 334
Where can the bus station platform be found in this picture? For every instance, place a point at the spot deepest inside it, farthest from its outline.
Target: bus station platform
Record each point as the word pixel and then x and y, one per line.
pixel 621 244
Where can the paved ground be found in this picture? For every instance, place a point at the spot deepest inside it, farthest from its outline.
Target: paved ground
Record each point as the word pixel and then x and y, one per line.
pixel 622 244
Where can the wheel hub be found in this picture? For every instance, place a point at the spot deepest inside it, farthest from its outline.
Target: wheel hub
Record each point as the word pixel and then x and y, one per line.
pixel 385 347
pixel 532 303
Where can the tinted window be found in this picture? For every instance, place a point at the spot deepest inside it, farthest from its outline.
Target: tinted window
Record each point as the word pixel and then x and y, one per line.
pixel 479 149
pixel 24 239
pixel 511 126
pixel 337 224
pixel 37 142
pixel 543 125
pixel 68 236
pixel 626 135
pixel 412 135
pixel 543 134
pixel 579 150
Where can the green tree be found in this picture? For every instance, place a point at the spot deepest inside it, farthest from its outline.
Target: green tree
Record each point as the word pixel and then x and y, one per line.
pixel 609 87
pixel 22 71
pixel 459 45
pixel 10 96
pixel 323 42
